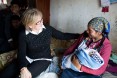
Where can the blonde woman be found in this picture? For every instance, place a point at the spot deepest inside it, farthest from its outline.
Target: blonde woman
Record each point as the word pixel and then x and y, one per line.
pixel 34 44
pixel 34 54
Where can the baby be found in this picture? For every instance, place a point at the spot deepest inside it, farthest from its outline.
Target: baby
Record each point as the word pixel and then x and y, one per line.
pixel 86 56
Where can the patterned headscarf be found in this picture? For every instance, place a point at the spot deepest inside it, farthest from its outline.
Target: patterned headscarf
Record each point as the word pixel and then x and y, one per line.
pixel 100 24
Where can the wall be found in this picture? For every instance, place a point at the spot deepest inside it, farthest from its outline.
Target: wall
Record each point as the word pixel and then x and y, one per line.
pixel 73 16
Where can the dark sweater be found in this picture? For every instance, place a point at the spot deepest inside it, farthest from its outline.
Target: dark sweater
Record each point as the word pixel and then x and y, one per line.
pixel 38 46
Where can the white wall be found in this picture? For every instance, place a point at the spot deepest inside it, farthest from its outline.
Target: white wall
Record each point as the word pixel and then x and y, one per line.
pixel 73 16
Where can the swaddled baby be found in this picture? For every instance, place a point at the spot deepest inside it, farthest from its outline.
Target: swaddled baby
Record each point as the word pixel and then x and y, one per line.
pixel 86 56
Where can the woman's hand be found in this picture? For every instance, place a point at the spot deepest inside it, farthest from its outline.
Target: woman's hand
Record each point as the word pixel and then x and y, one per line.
pixel 25 73
pixel 76 62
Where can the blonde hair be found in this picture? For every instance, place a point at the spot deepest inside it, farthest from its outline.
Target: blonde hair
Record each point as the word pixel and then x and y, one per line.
pixel 30 16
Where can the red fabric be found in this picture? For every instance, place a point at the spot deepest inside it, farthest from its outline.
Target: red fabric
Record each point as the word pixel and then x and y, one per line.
pixel 105 52
pixel 105 9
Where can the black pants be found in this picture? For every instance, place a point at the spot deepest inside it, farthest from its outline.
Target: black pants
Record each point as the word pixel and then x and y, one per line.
pixel 12 70
pixel 68 73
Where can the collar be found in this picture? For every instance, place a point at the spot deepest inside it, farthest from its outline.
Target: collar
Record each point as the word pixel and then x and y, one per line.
pixel 35 33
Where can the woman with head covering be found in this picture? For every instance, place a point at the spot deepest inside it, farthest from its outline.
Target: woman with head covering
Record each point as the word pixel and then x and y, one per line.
pixel 96 38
